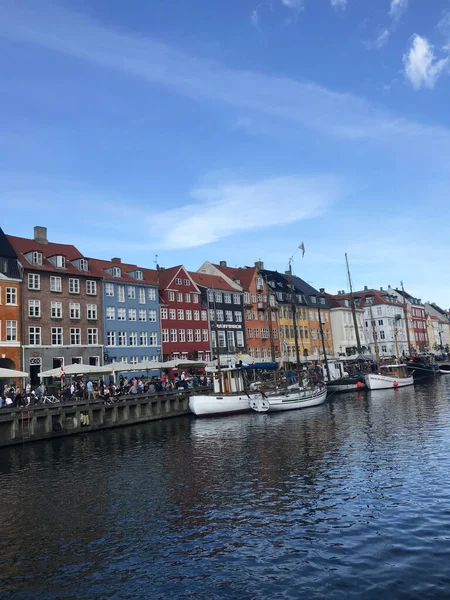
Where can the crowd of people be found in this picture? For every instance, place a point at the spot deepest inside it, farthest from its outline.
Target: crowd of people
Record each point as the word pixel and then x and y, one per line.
pixel 88 389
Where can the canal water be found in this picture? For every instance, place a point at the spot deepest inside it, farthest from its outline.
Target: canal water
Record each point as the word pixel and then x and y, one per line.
pixel 347 500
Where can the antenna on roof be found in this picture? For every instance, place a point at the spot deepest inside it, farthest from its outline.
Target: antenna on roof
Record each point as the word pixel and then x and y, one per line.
pixel 156 262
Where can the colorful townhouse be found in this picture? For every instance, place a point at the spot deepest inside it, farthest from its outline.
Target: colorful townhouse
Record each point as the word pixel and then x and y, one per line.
pixel 185 329
pixel 260 315
pixel 225 303
pixel 438 319
pixel 345 341
pixel 417 319
pixel 131 321
pixel 61 305
pixel 10 306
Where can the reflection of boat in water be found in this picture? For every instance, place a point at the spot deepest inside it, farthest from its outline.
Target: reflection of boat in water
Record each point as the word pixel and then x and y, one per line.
pixel 291 399
pixel 444 369
pixel 423 367
pixel 389 376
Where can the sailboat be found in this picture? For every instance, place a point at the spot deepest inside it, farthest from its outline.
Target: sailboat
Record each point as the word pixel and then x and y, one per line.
pixel 387 376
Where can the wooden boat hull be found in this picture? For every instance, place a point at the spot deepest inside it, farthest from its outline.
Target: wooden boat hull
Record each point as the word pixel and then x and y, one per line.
pixel 204 406
pixel 385 382
pixel 346 384
pixel 293 401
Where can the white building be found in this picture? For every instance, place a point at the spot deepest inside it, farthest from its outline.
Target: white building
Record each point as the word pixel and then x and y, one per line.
pixel 440 324
pixel 384 320
pixel 343 327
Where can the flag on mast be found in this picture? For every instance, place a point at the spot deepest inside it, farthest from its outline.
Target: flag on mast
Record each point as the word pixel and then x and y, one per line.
pixel 302 248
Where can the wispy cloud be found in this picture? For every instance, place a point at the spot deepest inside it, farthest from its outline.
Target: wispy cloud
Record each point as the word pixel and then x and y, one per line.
pixel 421 67
pixel 380 41
pixel 287 100
pixel 271 6
pixel 397 9
pixel 223 208
pixel 339 4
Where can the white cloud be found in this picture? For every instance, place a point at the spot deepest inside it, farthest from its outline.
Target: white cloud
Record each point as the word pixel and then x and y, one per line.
pixel 380 41
pixel 339 4
pixel 421 67
pixel 294 4
pixel 397 9
pixel 223 208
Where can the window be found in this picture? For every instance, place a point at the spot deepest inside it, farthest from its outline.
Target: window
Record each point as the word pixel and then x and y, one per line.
pixel 151 293
pixel 134 360
pixel 91 287
pixel 211 296
pixel 190 335
pixel 259 283
pixel 91 312
pixel 311 315
pixel 57 336
pixel 152 315
pixel 173 335
pixel 83 264
pixel 111 338
pixel 382 336
pixel 238 317
pixel 34 308
pixel 253 298
pixel 236 298
pixel 172 314
pixel 92 335
pixel 74 286
pixel 180 297
pixel 322 300
pixel 378 310
pixel 142 314
pixel 171 296
pixel 189 315
pixel 122 338
pixel 187 297
pixel 180 314
pixel 56 310
pixel 60 262
pixel 196 315
pixel 121 314
pixel 227 298
pixel 109 289
pixel 313 299
pixel 34 281
pixel 229 316
pixel 380 321
pixel 249 332
pixel 133 338
pixel 55 284
pixel 36 258
pixel 11 331
pixel 34 336
pixel 165 335
pixel 222 342
pixel 198 335
pixel 163 313
pixel 195 298
pixel 239 338
pixel 143 338
pixel 218 296
pixel 219 315
pixel 74 311
pixel 121 293
pixel 139 275
pixel 212 314
pixel 117 272
pixel 205 335
pixel 182 335
pixel 132 314
pixel 131 292
pixel 11 295
pixel 186 282
pixel 204 315
pixel 256 332
pixel 247 298
pixel 110 313
pixel 141 295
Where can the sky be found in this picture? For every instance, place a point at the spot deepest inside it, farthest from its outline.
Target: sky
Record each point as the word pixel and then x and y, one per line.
pixel 180 132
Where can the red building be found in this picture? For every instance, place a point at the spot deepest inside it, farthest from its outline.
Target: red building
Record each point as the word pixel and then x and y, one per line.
pixel 184 318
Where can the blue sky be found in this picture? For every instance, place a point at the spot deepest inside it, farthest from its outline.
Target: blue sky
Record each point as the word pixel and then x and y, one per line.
pixel 209 130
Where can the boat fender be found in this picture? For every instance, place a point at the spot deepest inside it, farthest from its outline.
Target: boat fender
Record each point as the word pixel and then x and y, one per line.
pixel 396 384
pixel 359 384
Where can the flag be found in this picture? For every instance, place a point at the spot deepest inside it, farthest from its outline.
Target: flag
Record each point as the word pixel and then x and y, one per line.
pixel 61 374
pixel 302 248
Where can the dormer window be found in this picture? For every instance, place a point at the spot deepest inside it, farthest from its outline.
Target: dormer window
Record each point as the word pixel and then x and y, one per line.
pixel 60 262
pixel 313 299
pixel 83 264
pixel 116 271
pixel 139 275
pixel 36 258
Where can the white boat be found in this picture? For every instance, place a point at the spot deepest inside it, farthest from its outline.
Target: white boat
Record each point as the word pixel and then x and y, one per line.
pixel 228 398
pixel 389 376
pixel 299 398
pixel 444 369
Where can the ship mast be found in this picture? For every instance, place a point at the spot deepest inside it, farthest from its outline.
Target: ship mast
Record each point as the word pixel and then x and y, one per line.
pixel 269 310
pixel 294 317
pixel 216 336
pixel 353 307
pixel 323 341
pixel 405 309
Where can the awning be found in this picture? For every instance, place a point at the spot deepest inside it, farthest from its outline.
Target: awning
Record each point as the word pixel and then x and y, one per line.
pixel 182 364
pixel 74 369
pixel 9 373
pixel 270 366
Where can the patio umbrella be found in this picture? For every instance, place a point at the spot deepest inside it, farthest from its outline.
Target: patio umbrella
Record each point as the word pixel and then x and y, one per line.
pixel 8 373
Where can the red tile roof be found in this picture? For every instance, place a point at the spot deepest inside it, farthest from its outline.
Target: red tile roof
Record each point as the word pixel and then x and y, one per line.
pixel 243 274
pixel 379 297
pixel 150 276
pixel 212 282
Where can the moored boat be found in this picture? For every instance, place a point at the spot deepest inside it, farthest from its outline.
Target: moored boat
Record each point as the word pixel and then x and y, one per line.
pixel 290 399
pixel 444 369
pixel 423 367
pixel 389 376
pixel 346 384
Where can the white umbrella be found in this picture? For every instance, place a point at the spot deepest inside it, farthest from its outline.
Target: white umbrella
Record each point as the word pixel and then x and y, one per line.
pixel 182 364
pixel 7 373
pixel 75 369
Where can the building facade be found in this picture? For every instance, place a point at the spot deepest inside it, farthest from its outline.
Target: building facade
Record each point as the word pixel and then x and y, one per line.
pixel 10 306
pixel 343 327
pixel 439 320
pixel 61 307
pixel 416 317
pixel 185 329
pixel 226 313
pixel 131 321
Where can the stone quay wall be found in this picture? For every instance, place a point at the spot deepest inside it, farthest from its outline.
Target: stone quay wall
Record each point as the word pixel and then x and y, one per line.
pixel 47 421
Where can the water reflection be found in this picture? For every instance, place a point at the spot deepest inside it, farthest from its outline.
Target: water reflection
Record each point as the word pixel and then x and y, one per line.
pixel 349 498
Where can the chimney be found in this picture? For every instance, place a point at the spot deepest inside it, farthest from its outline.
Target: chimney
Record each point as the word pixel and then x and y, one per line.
pixel 366 288
pixel 381 289
pixel 259 264
pixel 116 260
pixel 322 290
pixel 223 263
pixel 40 234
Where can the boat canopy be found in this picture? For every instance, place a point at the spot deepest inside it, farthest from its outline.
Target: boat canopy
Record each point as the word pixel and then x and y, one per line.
pixel 257 366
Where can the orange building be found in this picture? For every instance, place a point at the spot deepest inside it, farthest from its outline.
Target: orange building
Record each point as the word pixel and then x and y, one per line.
pixel 260 304
pixel 10 306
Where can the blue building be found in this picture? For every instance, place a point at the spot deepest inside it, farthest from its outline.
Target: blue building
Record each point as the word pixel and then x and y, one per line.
pixel 131 321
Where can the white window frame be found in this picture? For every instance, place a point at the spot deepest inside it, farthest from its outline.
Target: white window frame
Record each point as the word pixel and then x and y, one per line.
pixel 165 335
pixel 190 335
pixel 56 309
pixel 133 338
pixel 75 310
pixel 132 314
pixel 34 308
pixel 36 258
pixel 74 285
pixel 110 313
pixel 109 289
pixel 11 296
pixel 59 333
pixel 34 333
pixel 11 330
pixel 164 313
pixel 195 298
pixel 91 287
pixel 152 315
pixel 122 314
pixel 142 314
pixel 141 295
pixel 122 338
pixel 92 312
pixel 92 336
pixel 111 338
pixel 182 335
pixel 131 292
pixel 120 293
pixel 205 335
pixel 34 281
pixel 152 294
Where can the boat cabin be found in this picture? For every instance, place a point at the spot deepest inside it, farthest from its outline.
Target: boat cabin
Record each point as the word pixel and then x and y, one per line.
pixel 232 381
pixel 398 371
